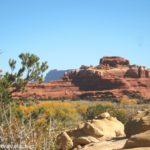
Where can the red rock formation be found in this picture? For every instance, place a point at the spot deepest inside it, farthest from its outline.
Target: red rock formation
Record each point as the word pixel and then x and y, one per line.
pixel 114 61
pixel 113 78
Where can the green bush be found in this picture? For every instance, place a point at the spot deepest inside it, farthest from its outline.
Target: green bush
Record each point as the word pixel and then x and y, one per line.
pixel 96 110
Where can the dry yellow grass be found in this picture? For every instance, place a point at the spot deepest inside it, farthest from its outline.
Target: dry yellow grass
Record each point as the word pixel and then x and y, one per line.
pixel 127 101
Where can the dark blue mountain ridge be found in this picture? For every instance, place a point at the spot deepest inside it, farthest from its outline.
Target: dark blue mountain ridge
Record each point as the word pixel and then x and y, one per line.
pixel 55 74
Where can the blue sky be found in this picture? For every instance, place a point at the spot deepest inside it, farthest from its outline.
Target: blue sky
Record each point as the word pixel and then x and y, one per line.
pixel 69 33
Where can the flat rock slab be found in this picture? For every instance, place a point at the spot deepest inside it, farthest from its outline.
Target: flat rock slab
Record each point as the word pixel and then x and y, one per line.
pixel 140 148
pixel 106 145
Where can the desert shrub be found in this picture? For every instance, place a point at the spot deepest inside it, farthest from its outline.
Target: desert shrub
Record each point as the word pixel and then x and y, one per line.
pixel 82 110
pixel 128 101
pixel 18 127
pixel 64 112
pixel 37 124
pixel 96 110
pixel 5 96
pixel 121 114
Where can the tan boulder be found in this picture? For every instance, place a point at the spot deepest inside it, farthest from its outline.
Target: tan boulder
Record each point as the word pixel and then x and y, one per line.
pixel 91 130
pixel 103 115
pixel 139 123
pixel 106 127
pixel 109 127
pixel 85 140
pixel 64 142
pixel 78 147
pixel 139 140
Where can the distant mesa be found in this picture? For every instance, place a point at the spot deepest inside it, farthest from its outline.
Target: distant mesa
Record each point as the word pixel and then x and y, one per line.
pixel 55 74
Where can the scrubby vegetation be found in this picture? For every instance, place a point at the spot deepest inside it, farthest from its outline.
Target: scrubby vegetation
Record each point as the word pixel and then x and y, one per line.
pixel 38 123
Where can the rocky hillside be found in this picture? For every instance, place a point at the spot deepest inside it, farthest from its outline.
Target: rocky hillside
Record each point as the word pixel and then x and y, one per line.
pixel 112 78
pixel 55 75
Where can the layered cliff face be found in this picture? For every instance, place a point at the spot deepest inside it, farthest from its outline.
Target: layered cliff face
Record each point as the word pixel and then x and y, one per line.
pixel 111 73
pixel 113 77
pixel 52 90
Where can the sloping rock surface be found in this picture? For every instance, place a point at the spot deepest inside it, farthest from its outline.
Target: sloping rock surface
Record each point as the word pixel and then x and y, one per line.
pixel 138 130
pixel 139 140
pixel 105 145
pixel 139 123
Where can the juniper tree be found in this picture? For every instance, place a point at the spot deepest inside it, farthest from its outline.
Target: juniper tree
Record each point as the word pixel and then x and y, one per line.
pixel 31 70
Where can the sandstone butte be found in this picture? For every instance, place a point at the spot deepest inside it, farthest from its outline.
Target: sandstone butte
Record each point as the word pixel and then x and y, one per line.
pixel 113 78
